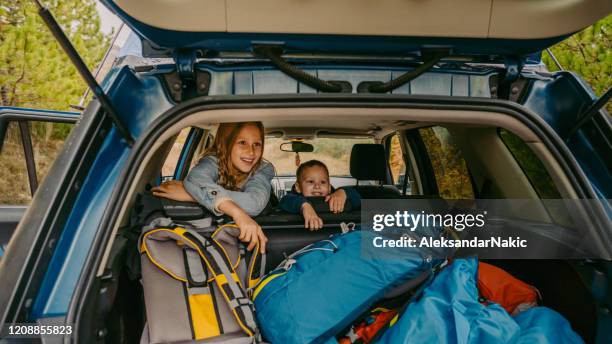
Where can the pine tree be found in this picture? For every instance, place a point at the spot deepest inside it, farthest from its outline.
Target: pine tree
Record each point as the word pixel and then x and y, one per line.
pixel 588 53
pixel 34 71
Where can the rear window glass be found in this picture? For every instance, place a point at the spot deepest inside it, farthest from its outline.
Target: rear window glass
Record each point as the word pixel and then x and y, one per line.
pixel 47 141
pixel 333 152
pixel 397 165
pixel 449 167
pixel 172 159
pixel 535 171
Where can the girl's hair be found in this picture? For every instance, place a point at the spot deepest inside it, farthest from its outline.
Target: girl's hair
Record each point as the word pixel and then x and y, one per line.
pixel 308 164
pixel 229 177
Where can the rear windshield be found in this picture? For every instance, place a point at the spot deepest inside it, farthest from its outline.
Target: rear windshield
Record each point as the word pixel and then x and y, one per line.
pixel 333 152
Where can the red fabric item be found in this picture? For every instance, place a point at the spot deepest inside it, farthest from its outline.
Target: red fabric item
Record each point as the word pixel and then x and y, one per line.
pixel 365 331
pixel 496 285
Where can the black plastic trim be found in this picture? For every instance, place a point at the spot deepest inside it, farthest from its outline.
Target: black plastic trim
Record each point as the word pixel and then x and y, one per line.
pixel 194 137
pixel 16 114
pixel 28 152
pixel 421 156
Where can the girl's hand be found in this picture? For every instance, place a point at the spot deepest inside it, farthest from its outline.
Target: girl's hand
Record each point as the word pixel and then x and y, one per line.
pixel 336 201
pixel 312 221
pixel 250 232
pixel 173 189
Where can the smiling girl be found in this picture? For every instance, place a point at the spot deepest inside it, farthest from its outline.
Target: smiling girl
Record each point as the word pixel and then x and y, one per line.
pixel 231 178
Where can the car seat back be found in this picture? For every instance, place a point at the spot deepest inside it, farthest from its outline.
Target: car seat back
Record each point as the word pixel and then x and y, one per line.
pixel 368 162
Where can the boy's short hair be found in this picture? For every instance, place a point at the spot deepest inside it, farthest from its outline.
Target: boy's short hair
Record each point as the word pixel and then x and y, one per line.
pixel 307 164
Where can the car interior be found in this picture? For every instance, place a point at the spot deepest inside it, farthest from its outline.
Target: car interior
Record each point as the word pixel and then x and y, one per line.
pixel 476 143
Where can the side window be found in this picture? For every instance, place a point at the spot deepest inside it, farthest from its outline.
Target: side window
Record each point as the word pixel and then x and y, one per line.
pixel 396 162
pixel 535 171
pixel 14 190
pixel 172 160
pixel 449 167
pixel 28 150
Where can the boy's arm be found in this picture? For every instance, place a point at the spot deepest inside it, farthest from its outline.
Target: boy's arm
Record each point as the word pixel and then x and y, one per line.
pixel 338 199
pixel 297 204
pixel 312 220
pixel 353 196
pixel 292 203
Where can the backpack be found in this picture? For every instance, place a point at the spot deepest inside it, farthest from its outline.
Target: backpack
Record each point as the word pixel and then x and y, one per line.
pixel 196 284
pixel 323 288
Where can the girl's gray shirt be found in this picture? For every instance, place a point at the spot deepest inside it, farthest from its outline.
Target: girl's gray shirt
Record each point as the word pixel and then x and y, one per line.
pixel 201 184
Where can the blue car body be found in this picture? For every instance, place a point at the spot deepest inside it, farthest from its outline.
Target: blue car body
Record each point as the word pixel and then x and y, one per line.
pixel 74 212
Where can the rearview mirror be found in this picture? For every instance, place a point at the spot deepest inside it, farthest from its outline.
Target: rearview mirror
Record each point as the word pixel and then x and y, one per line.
pixel 296 147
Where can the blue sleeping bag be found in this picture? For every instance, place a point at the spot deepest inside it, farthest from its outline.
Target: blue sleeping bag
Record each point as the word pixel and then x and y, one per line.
pixel 326 286
pixel 449 312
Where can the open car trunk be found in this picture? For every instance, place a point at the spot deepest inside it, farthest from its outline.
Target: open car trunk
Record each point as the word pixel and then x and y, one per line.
pixel 561 283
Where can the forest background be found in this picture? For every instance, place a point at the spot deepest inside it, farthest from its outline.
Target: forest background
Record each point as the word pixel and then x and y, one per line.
pixel 35 73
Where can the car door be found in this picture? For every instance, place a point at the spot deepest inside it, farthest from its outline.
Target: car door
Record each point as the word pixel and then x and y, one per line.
pixel 29 142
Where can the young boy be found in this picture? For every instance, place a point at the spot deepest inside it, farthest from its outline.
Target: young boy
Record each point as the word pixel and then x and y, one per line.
pixel 312 181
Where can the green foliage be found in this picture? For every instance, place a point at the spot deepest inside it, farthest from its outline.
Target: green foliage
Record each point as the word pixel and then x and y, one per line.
pixel 588 53
pixel 34 71
pixel 532 166
pixel 447 161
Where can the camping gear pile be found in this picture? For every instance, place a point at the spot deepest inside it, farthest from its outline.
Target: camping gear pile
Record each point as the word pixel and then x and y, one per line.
pixel 201 285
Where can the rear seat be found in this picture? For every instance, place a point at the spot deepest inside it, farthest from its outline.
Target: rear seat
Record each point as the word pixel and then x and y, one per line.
pixel 286 232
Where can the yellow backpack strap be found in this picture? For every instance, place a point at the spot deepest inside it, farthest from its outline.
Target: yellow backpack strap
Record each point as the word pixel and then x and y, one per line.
pixel 202 304
pixel 256 267
pixel 227 280
pixel 252 264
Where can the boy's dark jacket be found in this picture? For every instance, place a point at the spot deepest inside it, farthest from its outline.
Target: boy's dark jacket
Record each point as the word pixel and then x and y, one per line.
pixel 292 201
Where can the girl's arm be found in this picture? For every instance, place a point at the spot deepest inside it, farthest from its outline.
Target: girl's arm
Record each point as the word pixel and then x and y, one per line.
pixel 173 189
pixel 256 192
pixel 250 231
pixel 201 184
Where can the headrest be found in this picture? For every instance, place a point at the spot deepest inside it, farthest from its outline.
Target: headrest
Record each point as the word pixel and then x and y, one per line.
pixel 368 162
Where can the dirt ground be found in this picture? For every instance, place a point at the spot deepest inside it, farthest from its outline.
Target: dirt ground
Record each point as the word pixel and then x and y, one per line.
pixel 14 185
